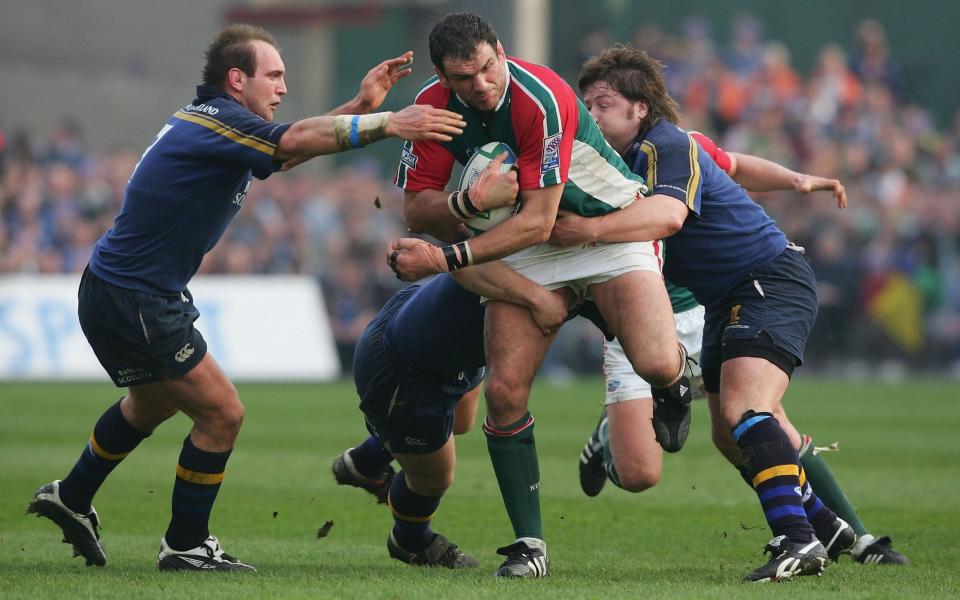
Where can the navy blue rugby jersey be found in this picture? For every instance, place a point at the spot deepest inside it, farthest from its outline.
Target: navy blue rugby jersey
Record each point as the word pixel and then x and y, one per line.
pixel 184 192
pixel 439 328
pixel 728 233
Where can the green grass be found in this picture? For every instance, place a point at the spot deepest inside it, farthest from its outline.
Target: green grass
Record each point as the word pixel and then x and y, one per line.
pixel 694 535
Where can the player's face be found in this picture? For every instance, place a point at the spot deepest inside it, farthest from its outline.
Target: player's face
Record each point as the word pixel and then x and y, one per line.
pixel 618 118
pixel 262 92
pixel 479 80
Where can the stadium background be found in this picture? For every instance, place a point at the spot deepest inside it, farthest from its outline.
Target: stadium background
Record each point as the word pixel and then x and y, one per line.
pixel 863 91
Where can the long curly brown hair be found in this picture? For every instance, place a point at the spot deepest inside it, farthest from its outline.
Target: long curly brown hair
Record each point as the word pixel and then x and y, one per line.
pixel 637 76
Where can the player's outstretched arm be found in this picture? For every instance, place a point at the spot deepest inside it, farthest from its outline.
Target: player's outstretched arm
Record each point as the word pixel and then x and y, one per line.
pixel 375 86
pixel 373 90
pixel 761 175
pixel 328 135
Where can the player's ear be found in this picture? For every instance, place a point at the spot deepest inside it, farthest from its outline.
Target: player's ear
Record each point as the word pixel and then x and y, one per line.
pixel 501 54
pixel 235 77
pixel 443 79
pixel 643 109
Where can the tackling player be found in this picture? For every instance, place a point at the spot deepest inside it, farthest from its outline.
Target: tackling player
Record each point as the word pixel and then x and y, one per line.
pixel 414 362
pixel 758 290
pixel 622 448
pixel 134 305
pixel 564 162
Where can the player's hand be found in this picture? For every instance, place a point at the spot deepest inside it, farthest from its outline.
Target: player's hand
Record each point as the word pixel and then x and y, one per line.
pixel 549 311
pixel 379 80
pixel 494 189
pixel 808 184
pixel 412 259
pixel 570 229
pixel 422 122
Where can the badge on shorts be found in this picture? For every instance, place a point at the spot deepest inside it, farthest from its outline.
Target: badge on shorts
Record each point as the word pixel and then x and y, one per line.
pixel 735 315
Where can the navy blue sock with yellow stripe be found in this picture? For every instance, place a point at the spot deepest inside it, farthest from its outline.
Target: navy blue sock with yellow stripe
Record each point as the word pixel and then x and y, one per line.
pixel 113 438
pixel 199 475
pixel 772 464
pixel 411 515
pixel 820 516
pixel 370 458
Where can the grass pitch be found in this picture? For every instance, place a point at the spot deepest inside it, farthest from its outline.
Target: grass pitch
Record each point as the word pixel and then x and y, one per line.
pixel 694 535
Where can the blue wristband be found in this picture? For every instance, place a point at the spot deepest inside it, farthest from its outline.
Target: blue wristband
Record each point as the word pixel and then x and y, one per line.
pixel 355 131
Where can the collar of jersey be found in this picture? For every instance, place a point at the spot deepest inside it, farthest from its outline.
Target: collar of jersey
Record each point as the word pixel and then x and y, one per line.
pixel 212 91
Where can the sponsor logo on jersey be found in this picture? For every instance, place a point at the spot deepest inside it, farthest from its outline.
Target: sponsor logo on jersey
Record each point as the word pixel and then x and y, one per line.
pixel 241 196
pixel 203 108
pixel 613 385
pixel 409 158
pixel 410 441
pixel 551 153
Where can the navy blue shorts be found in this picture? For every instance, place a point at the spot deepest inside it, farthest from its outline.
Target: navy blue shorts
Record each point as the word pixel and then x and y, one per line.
pixel 139 337
pixel 411 410
pixel 769 314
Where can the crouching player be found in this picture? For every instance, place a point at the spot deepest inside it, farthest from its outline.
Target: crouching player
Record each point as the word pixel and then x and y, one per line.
pixel 419 356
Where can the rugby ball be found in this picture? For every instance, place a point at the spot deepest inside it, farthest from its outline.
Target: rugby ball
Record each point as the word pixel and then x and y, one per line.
pixel 483 155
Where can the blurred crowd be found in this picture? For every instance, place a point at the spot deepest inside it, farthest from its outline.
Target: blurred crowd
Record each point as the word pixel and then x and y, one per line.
pixel 888 265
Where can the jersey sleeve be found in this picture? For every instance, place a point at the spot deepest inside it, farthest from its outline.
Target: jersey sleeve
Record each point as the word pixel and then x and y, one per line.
pixel 544 114
pixel 718 154
pixel 425 164
pixel 237 137
pixel 673 167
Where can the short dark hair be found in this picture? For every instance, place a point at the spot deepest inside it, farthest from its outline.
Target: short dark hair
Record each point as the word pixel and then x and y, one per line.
pixel 232 49
pixel 635 75
pixel 458 36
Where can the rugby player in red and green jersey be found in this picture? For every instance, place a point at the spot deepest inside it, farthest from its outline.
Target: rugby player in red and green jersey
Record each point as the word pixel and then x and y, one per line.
pixel 563 162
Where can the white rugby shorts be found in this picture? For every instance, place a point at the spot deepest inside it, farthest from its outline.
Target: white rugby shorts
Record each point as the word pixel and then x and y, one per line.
pixel 623 383
pixel 582 266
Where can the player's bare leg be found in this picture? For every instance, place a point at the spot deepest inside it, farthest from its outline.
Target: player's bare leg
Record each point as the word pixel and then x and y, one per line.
pixel 637 310
pixel 466 414
pixel 637 457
